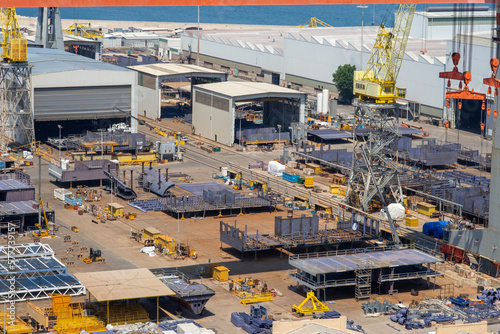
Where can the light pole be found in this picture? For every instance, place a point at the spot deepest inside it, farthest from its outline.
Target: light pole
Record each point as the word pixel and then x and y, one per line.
pixel 59 145
pixel 198 35
pixel 279 141
pixel 362 31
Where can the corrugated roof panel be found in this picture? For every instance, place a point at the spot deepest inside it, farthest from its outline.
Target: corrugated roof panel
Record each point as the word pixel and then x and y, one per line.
pixel 52 60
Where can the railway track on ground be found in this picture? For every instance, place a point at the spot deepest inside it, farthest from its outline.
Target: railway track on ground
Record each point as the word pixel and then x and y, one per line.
pixel 277 185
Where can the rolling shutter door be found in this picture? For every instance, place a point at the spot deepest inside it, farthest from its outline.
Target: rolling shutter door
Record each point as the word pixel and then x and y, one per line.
pixel 67 103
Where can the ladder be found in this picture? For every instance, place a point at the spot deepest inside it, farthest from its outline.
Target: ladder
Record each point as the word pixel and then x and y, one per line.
pixel 363 283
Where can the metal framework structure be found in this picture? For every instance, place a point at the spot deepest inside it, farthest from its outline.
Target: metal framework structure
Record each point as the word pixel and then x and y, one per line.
pixel 372 170
pixel 363 268
pixel 16 115
pixel 25 250
pixel 32 267
pixel 34 273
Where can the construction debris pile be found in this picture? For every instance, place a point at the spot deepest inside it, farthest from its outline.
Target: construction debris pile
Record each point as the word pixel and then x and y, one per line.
pixel 462 308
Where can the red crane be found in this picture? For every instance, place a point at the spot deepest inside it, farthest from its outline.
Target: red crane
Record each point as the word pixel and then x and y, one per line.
pixel 462 93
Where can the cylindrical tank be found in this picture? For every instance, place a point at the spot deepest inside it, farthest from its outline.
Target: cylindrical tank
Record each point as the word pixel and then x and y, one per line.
pixel 401 321
pixel 325 101
pixel 319 103
pixel 393 318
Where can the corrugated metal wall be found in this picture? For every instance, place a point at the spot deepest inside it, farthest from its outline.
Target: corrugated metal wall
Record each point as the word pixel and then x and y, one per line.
pixel 67 103
pixel 212 117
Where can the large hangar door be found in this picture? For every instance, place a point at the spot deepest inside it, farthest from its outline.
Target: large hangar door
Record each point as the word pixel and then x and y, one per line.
pixel 72 103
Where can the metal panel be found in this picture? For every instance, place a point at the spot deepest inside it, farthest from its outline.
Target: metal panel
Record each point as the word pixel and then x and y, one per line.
pixel 67 103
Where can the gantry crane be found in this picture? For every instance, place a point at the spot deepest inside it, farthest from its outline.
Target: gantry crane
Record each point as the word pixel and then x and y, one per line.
pixel 84 30
pixel 313 23
pixel 378 82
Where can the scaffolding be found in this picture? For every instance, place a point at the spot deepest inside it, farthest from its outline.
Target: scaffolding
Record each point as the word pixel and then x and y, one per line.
pixel 363 288
pixel 371 167
pixel 16 116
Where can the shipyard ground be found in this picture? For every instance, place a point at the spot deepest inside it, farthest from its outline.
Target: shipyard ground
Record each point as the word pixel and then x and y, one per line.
pixel 202 234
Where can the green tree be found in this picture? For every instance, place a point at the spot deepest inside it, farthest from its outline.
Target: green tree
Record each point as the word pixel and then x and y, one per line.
pixel 343 79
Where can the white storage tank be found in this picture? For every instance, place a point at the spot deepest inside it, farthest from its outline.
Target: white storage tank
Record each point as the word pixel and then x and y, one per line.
pixel 319 103
pixel 325 101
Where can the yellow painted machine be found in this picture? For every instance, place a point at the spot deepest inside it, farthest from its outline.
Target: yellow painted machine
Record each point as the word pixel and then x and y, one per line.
pixel 43 232
pixel 250 298
pixel 13 326
pixel 378 82
pixel 84 30
pixel 314 22
pixel 15 47
pixel 317 306
pixel 95 255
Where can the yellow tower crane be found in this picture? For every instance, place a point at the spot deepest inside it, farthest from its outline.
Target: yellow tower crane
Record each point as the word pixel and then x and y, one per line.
pixel 15 47
pixel 378 82
pixel 84 30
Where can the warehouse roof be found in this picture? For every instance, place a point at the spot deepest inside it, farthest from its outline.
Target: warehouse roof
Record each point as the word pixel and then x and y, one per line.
pixel 18 208
pixel 240 90
pixel 272 40
pixel 53 60
pixel 123 284
pixel 172 71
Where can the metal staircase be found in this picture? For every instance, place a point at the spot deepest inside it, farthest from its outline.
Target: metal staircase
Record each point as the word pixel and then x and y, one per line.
pixel 363 283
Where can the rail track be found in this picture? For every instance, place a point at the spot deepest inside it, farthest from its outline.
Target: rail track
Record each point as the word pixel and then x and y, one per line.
pixel 276 184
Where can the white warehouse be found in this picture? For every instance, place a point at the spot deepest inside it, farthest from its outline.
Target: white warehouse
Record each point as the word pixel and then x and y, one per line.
pixel 309 56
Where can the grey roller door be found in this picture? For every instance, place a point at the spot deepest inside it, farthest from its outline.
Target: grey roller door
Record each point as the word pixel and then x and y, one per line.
pixel 67 103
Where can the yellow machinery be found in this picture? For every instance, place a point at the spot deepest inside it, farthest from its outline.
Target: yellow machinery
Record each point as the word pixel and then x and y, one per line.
pixel 43 232
pixel 95 255
pixel 313 23
pixel 378 82
pixel 15 48
pixel 70 318
pixel 13 325
pixel 37 148
pixel 66 317
pixel 309 182
pixel 166 243
pixel 317 306
pixel 84 30
pixel 249 298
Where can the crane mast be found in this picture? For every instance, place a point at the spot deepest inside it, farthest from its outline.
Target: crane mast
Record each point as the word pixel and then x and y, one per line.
pixel 378 82
pixel 16 110
pixel 374 180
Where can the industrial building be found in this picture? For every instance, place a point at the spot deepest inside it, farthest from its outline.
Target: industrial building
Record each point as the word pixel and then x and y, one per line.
pixel 214 107
pixel 150 78
pixel 362 202
pixel 68 87
pixel 300 57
